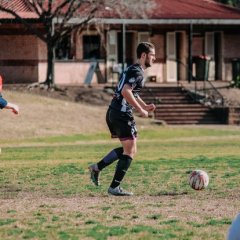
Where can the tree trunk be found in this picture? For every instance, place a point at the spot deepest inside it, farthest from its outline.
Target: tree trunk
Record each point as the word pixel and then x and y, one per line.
pixel 50 54
pixel 50 64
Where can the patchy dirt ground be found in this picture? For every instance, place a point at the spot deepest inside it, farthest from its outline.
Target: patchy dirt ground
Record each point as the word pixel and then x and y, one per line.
pixel 44 116
pixel 180 207
pixel 66 111
pixel 97 95
pixel 231 96
pixel 124 211
pixel 101 95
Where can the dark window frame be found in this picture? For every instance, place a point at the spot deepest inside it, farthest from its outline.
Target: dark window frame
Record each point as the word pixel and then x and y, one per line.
pixel 91 47
pixel 63 50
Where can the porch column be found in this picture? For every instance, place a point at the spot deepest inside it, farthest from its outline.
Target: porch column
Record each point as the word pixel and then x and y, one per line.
pixel 190 31
pixel 123 45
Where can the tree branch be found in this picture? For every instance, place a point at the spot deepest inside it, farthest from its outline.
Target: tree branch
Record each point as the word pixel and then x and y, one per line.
pixel 35 5
pixel 66 30
pixel 23 21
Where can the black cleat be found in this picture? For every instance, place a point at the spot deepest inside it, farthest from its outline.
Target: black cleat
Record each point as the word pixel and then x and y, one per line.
pixel 94 171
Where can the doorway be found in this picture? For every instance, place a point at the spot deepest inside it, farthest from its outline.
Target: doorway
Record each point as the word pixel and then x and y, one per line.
pixel 213 49
pixel 129 51
pixel 175 56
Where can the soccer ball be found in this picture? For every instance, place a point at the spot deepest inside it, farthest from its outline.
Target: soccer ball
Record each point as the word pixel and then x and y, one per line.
pixel 198 180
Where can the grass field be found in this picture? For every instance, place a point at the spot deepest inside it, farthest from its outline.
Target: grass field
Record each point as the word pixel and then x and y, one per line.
pixel 45 192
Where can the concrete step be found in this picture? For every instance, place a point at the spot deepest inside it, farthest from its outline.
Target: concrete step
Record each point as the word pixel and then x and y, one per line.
pixel 174 106
pixel 191 122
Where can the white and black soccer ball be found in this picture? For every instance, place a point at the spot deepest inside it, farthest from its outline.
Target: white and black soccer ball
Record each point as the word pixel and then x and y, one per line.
pixel 198 179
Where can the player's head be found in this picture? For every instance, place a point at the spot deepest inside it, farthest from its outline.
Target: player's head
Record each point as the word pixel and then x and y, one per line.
pixel 146 53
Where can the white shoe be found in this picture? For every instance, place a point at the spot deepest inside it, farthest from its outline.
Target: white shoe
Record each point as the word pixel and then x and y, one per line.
pixel 118 191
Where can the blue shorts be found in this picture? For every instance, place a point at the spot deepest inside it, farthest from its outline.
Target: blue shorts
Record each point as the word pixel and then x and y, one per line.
pixel 3 102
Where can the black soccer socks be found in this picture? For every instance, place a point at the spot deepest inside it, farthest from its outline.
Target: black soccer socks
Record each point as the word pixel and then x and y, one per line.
pixel 110 158
pixel 121 169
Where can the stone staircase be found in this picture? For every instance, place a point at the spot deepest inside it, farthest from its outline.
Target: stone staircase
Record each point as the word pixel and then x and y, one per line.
pixel 175 106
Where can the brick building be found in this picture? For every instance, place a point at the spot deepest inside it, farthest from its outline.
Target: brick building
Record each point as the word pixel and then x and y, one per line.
pixel 180 30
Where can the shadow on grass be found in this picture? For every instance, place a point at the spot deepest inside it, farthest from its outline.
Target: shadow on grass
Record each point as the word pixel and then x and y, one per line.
pixel 165 193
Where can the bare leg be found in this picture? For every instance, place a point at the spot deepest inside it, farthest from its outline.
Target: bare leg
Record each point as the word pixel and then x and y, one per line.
pixel 129 147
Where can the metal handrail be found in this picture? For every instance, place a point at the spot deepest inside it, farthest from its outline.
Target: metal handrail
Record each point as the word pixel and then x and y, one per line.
pixel 212 95
pixel 208 96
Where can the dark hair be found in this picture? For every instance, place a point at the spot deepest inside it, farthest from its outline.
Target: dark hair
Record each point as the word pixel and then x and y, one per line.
pixel 144 47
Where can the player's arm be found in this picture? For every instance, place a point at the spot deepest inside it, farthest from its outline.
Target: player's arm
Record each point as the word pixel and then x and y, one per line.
pixel 7 105
pixel 128 95
pixel 148 107
pixel 13 107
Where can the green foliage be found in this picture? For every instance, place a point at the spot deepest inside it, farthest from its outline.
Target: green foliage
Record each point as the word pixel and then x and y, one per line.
pixel 235 3
pixel 236 82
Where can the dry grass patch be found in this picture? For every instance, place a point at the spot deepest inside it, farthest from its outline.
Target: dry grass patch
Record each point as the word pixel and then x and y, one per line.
pixel 42 116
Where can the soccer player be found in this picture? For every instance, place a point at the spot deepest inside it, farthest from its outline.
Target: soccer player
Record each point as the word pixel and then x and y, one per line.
pixel 120 119
pixel 7 105
pixel 234 230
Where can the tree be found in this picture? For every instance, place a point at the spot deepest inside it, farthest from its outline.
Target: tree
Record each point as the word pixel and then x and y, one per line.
pixel 234 3
pixel 55 16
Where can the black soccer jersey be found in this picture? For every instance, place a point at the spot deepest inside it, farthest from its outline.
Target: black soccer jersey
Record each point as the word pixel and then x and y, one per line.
pixel 133 76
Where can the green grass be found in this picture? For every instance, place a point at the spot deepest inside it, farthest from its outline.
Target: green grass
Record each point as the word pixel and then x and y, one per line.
pixel 44 184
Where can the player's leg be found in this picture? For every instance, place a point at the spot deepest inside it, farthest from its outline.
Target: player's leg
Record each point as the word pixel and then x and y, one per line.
pixel 107 160
pixel 129 147
pixel 123 164
pixel 112 156
pixel 129 142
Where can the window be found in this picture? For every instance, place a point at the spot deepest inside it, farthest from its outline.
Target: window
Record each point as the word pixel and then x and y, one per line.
pixel 91 47
pixel 63 49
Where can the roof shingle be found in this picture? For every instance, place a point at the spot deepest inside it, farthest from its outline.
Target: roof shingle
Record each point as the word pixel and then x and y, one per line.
pixel 165 9
pixel 189 9
pixel 19 6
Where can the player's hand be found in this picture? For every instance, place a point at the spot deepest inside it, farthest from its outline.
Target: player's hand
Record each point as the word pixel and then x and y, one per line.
pixel 15 109
pixel 143 113
pixel 150 107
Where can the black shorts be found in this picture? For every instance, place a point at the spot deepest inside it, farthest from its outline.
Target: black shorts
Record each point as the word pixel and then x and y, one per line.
pixel 121 124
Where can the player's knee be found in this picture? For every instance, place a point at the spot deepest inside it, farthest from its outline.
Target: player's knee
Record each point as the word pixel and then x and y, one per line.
pixel 133 151
pixel 132 154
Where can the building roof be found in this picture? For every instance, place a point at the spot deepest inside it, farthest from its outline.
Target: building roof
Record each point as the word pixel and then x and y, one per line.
pixel 163 10
pixel 189 9
pixel 182 12
pixel 20 7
